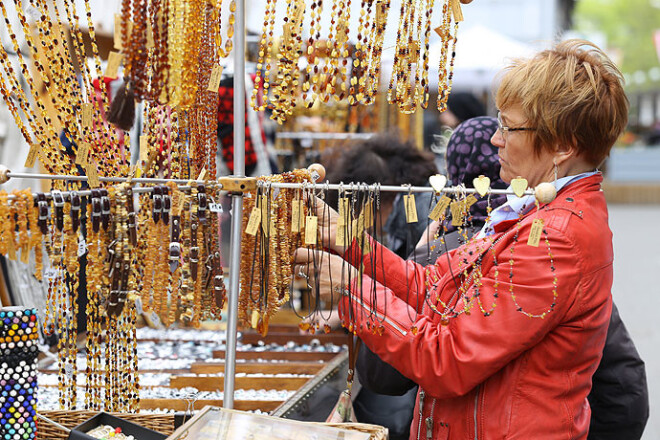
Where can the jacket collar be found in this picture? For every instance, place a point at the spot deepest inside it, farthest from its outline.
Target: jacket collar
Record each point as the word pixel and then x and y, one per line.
pixel 591 183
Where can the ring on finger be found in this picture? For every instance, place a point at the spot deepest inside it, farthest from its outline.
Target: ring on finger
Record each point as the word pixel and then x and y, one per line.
pixel 301 272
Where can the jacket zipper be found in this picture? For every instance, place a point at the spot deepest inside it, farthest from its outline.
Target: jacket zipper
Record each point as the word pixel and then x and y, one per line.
pixel 476 408
pixel 381 317
pixel 421 412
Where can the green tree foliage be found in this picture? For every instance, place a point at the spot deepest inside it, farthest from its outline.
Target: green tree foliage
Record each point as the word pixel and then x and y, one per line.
pixel 628 26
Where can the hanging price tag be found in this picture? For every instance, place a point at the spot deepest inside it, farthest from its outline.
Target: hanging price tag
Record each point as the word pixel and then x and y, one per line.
pixel 25 254
pixel 411 208
pixel 369 214
pixel 117 33
pixel 144 149
pixel 296 209
pixel 87 112
pixel 456 209
pixel 150 36
pixel 381 12
pixel 92 175
pixel 114 61
pixel 440 208
pixel 214 80
pixel 254 222
pixel 469 201
pixel 11 251
pixel 456 10
pixel 32 156
pixel 535 233
pixel 340 236
pixel 202 174
pixel 138 306
pixel 343 211
pixel 83 153
pixel 311 224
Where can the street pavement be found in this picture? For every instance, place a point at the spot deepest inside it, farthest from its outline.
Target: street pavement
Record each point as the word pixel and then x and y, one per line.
pixel 636 290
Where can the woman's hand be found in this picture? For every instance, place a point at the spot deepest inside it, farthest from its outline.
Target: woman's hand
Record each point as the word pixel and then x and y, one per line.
pixel 327 271
pixel 430 232
pixel 327 224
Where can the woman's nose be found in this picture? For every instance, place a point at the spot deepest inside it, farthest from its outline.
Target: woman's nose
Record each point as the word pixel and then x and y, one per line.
pixel 497 139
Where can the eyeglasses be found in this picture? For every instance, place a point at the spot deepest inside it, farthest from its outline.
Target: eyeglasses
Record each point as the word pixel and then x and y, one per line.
pixel 505 130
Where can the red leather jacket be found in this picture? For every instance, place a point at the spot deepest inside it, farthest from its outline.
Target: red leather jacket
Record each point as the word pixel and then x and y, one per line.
pixel 503 376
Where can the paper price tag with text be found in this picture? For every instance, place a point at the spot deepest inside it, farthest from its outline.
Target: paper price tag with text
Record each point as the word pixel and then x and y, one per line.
pixel 114 61
pixel 311 225
pixel 254 222
pixel 368 214
pixel 456 10
pixel 343 211
pixel 440 208
pixel 32 156
pixel 535 233
pixel 214 80
pixel 469 201
pixel 457 211
pixel 340 236
pixel 92 175
pixel 144 148
pixel 296 211
pixel 87 114
pixel 411 208
pixel 83 153
pixel 117 33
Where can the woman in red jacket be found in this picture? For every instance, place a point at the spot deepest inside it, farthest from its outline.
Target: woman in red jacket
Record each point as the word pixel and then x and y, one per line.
pixel 522 369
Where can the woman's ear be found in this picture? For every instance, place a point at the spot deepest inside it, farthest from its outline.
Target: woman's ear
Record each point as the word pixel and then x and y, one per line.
pixel 564 153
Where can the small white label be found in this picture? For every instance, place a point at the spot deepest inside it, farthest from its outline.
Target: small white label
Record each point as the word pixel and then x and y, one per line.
pixel 215 207
pixel 82 246
pixel 138 306
pixel 68 370
pixel 51 273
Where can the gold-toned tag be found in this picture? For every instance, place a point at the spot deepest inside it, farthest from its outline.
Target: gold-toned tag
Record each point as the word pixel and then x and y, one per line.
pixel 414 52
pixel 311 224
pixel 411 208
pixel 254 319
pixel 117 33
pixel 440 31
pixel 254 222
pixel 265 211
pixel 87 112
pixel 381 13
pixel 25 254
pixel 457 211
pixel 178 202
pixel 286 32
pixel 144 149
pixel 272 231
pixel 11 251
pixel 343 211
pixel 440 208
pixel 150 37
pixel 340 236
pixel 296 209
pixel 32 156
pixel 369 214
pixel 535 233
pixel 214 80
pixel 469 201
pixel 83 153
pixel 456 10
pixel 114 61
pixel 202 174
pixel 92 175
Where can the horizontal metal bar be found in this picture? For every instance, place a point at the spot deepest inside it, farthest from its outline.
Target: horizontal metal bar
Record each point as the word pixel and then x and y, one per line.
pixel 321 136
pixel 102 179
pixel 383 188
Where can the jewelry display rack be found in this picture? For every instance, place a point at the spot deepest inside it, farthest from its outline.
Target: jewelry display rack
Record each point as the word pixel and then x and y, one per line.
pixel 237 184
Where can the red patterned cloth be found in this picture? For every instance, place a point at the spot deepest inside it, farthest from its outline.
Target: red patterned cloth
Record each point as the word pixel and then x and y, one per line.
pixel 226 127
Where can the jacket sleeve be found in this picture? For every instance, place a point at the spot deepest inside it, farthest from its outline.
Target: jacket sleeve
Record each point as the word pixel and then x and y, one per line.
pixel 450 360
pixel 619 396
pixel 404 278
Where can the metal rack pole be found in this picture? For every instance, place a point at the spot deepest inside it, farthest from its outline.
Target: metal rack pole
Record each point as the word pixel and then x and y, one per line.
pixel 236 204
